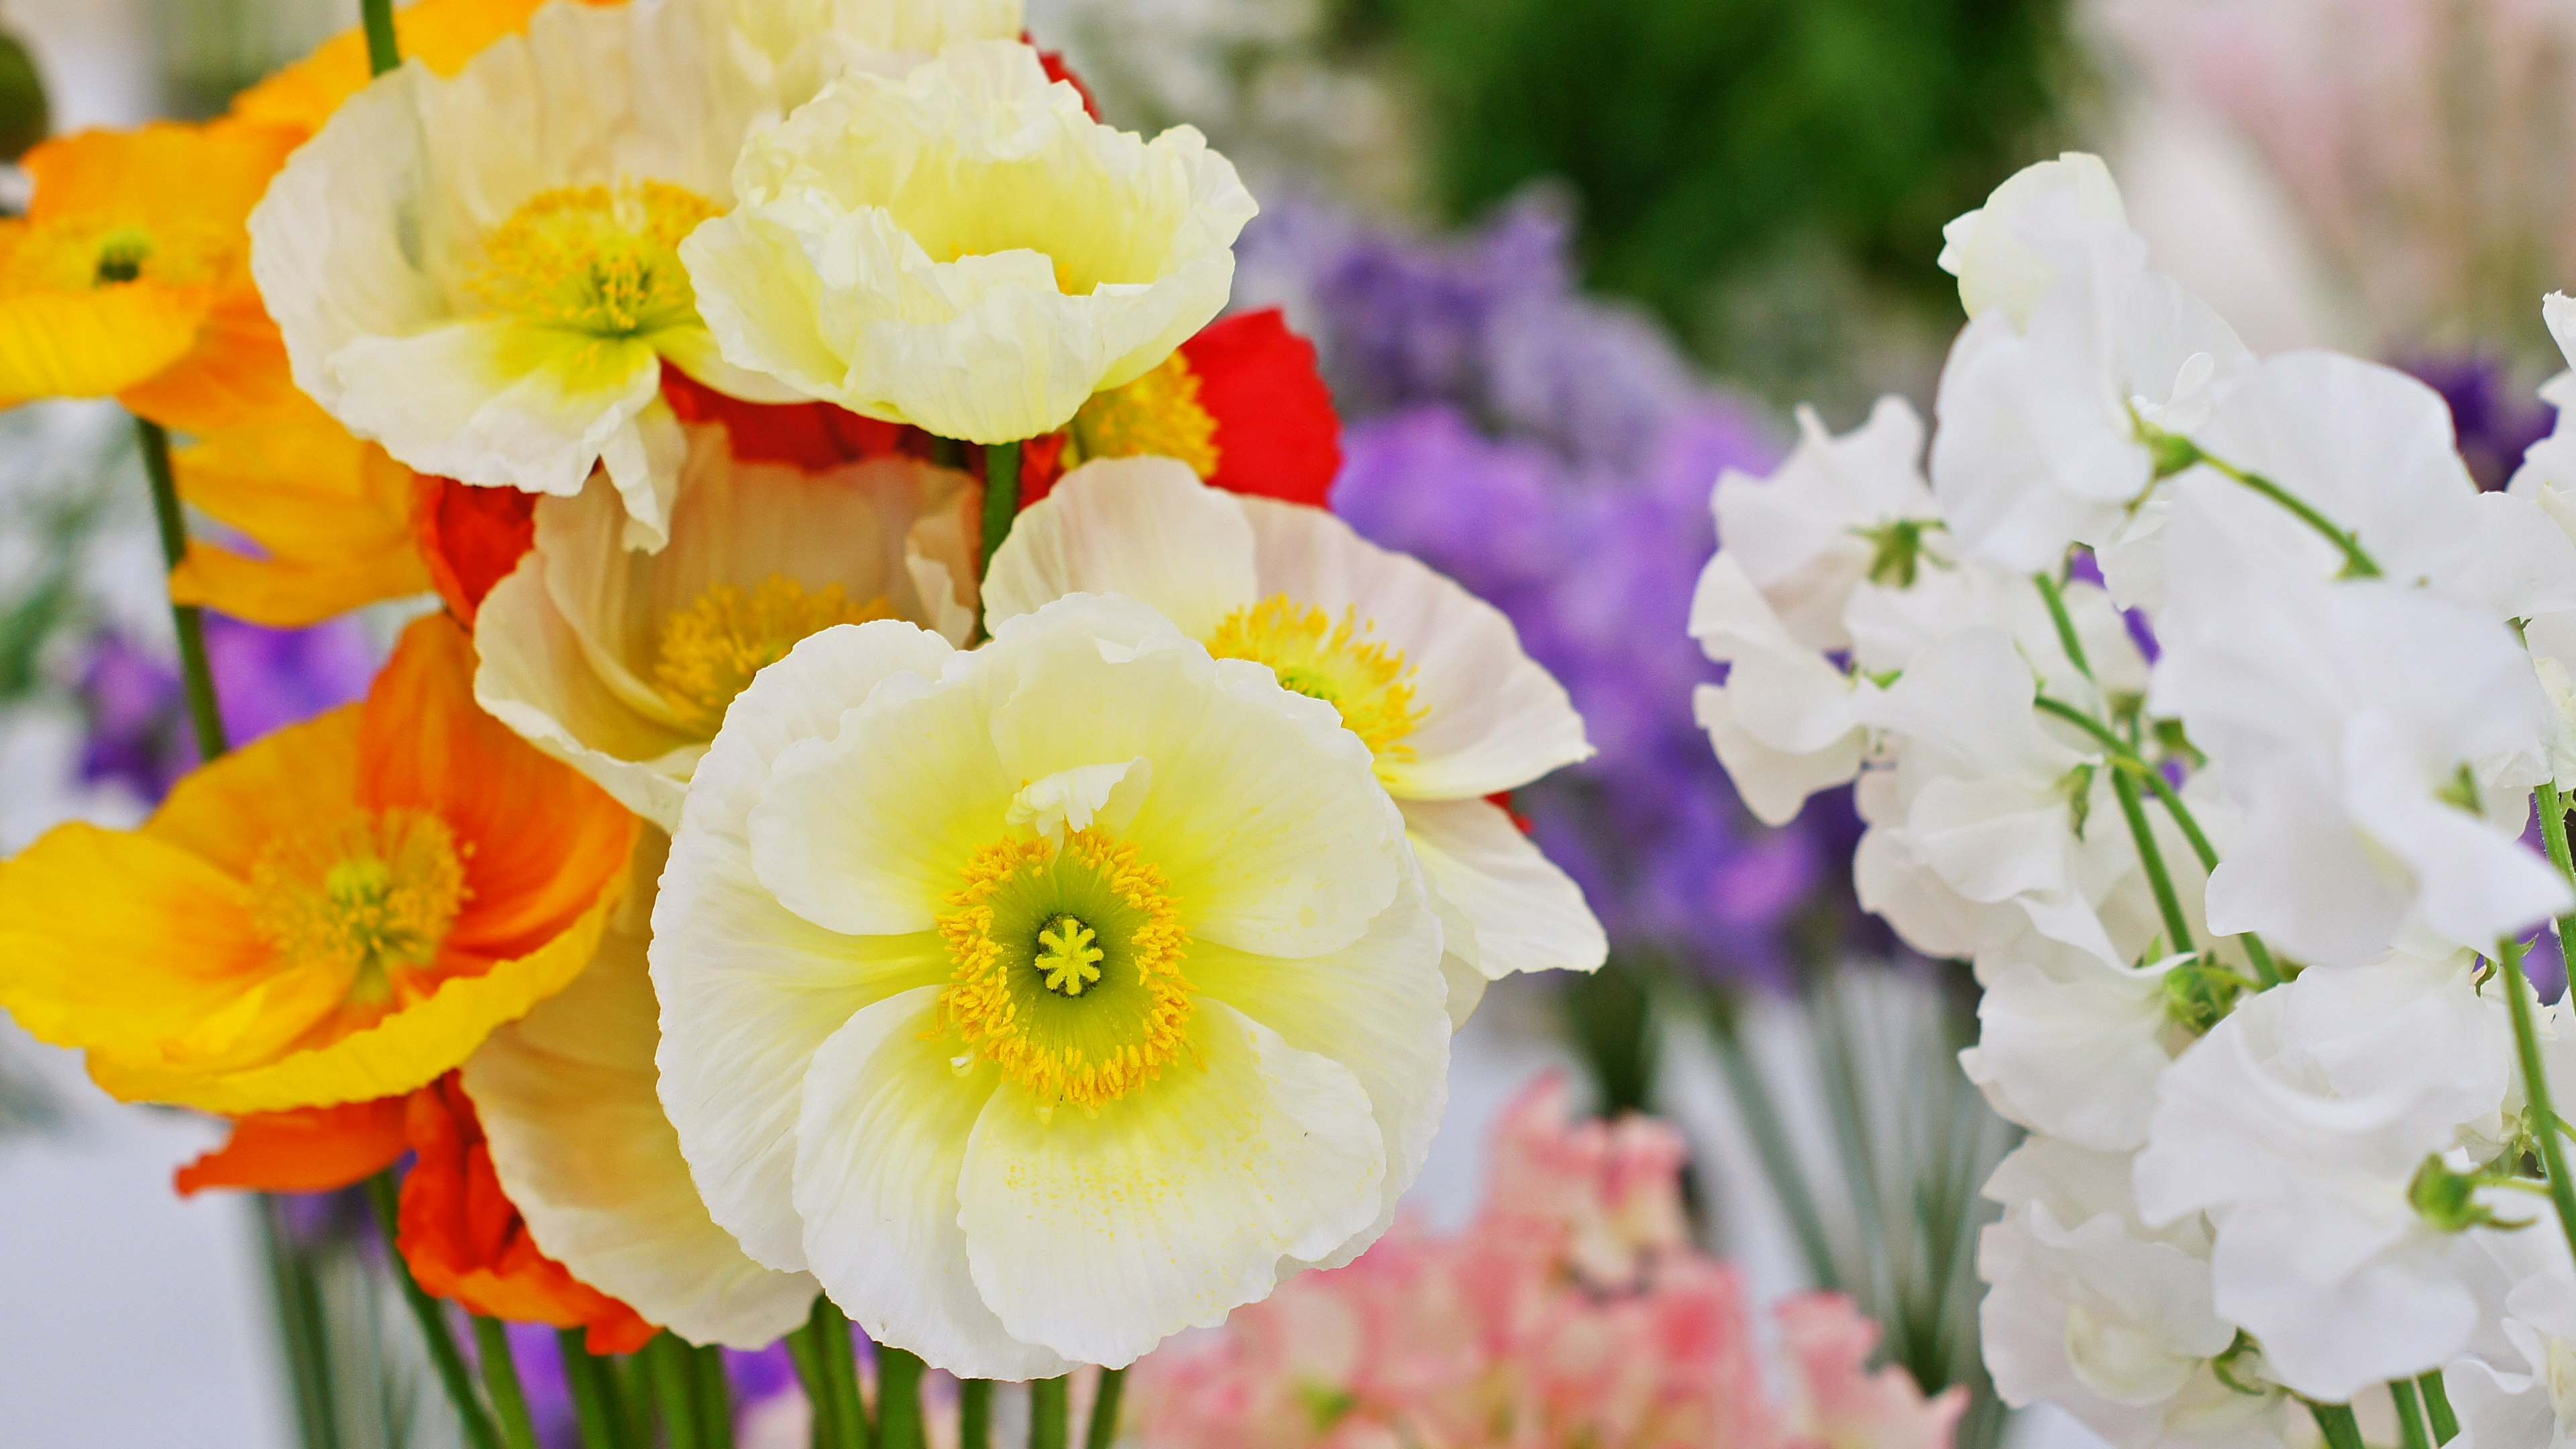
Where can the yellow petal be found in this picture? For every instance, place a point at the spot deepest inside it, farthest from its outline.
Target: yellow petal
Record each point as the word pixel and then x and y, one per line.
pixel 332 515
pixel 93 343
pixel 233 374
pixel 283 595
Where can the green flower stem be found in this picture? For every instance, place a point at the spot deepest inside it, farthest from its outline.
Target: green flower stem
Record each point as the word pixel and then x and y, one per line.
pixel 714 1396
pixel 1104 1409
pixel 829 1430
pixel 840 1370
pixel 2535 1086
pixel 2126 759
pixel 2410 1414
pixel 189 623
pixel 1047 1413
pixel 2055 598
pixel 2437 1406
pixel 975 1414
pixel 298 1300
pixel 898 1399
pixel 2168 904
pixel 2175 453
pixel 594 1396
pixel 2552 807
pixel 383 51
pixel 675 1390
pixel 443 1352
pixel 1771 1142
pixel 1001 505
pixel 501 1381
pixel 2335 1421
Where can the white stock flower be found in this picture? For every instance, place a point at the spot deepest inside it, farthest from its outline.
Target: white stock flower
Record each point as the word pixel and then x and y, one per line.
pixel 1045 999
pixel 964 249
pixel 2300 1125
pixel 2071 342
pixel 621 663
pixel 2379 738
pixel 480 271
pixel 1430 677
pixel 2090 1309
pixel 578 1139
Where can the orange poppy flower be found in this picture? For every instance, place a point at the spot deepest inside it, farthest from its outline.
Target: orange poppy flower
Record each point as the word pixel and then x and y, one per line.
pixel 340 911
pixel 465 1241
pixel 470 538
pixel 331 516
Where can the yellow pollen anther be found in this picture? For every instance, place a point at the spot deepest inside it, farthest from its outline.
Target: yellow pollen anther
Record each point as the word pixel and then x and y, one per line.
pixel 1068 968
pixel 1158 414
pixel 1364 678
pixel 709 651
pixel 1069 959
pixel 598 259
pixel 373 895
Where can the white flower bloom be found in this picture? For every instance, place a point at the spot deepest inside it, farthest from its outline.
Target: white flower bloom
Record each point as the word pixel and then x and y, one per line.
pixel 480 271
pixel 622 663
pixel 804 43
pixel 2071 343
pixel 1836 511
pixel 2515 1387
pixel 1430 677
pixel 2072 1045
pixel 2299 1125
pixel 578 1139
pixel 1019 1105
pixel 1786 723
pixel 964 248
pixel 2379 738
pixel 2092 1310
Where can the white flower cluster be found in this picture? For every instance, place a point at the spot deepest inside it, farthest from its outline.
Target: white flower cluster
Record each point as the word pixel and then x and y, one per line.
pixel 2200 701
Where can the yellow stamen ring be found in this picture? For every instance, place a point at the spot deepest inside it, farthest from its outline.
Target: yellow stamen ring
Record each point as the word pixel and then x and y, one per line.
pixel 1338 662
pixel 709 651
pixel 603 260
pixel 1067 967
pixel 372 895
pixel 1158 414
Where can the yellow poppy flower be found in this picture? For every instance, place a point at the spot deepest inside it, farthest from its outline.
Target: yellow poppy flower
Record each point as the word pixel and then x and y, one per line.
pixel 343 910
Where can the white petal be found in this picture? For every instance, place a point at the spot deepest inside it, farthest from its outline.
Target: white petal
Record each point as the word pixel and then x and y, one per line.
pixel 1494 719
pixel 879 1146
pixel 1143 527
pixel 1528 915
pixel 497 402
pixel 1101 1236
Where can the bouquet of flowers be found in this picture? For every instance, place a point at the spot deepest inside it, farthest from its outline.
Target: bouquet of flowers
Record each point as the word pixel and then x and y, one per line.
pixel 907 809
pixel 2207 706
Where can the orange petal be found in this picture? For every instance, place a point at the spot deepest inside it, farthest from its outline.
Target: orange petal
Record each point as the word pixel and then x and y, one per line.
pixel 310 1149
pixel 470 538
pixel 546 843
pixel 233 373
pixel 331 514
pixel 228 811
pixel 165 174
pixel 441 34
pixel 284 595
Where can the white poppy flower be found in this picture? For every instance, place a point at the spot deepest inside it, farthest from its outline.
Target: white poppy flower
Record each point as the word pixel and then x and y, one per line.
pixel 2300 1125
pixel 621 663
pixel 2071 343
pixel 2092 1310
pixel 804 43
pixel 1045 999
pixel 578 1139
pixel 964 248
pixel 481 273
pixel 2379 738
pixel 1432 678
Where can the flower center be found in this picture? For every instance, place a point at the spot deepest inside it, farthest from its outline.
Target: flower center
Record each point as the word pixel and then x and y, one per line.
pixel 598 259
pixel 1068 967
pixel 710 650
pixel 82 254
pixel 1159 414
pixel 1339 663
pixel 372 894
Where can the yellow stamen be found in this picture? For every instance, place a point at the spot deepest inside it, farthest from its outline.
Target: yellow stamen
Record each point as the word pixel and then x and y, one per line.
pixel 1157 414
pixel 1365 678
pixel 1068 967
pixel 597 259
pixel 81 253
pixel 709 651
pixel 372 894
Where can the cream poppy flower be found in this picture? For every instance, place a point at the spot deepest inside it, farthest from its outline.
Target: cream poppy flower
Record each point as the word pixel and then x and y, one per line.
pixel 621 663
pixel 1045 999
pixel 965 249
pixel 1430 677
pixel 580 1144
pixel 478 271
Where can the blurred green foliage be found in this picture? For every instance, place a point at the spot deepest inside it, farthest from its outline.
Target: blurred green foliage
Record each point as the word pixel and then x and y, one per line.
pixel 1713 144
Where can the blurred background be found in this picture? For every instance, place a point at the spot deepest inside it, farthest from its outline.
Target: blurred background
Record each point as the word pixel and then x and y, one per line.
pixel 1565 260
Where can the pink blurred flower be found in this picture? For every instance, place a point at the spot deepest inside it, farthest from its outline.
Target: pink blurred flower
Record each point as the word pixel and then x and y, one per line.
pixel 1573 1312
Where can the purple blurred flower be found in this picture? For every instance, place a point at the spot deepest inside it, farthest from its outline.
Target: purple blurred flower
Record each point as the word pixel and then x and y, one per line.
pixel 264 678
pixel 1554 454
pixel 2496 420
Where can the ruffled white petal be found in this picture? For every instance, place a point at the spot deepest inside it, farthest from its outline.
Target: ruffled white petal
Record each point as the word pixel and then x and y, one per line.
pixel 1526 914
pixel 1100 1236
pixel 748 988
pixel 1144 527
pixel 879 1146
pixel 580 1144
